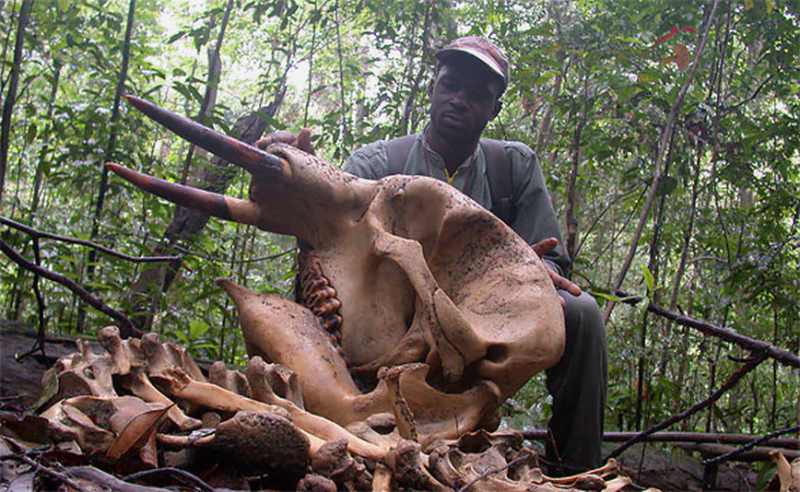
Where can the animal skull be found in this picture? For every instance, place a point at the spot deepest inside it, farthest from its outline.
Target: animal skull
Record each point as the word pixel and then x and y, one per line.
pixel 427 280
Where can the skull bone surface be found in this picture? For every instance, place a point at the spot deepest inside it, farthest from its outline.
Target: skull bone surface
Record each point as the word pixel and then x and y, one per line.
pixel 424 278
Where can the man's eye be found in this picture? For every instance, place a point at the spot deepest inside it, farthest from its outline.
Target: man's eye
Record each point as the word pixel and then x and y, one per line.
pixel 451 86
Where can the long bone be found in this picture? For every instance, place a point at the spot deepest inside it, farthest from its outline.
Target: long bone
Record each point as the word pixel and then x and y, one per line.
pixel 423 274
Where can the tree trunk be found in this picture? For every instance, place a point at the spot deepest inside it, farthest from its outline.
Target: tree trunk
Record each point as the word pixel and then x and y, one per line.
pixel 43 154
pixel 11 95
pixel 417 69
pixel 212 87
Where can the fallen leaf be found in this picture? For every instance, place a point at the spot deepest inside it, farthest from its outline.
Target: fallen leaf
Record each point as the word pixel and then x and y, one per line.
pixel 137 433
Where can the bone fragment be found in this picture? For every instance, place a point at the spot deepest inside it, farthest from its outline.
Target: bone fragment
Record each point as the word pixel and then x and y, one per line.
pixel 233 381
pixel 404 417
pixel 316 483
pixel 262 442
pixel 140 385
pixel 382 479
pixel 618 484
pixel 610 468
pixel 67 420
pixel 313 424
pixel 411 470
pixel 110 340
pixel 788 473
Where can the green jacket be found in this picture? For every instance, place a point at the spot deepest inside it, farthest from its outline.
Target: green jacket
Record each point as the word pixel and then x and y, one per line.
pixel 535 217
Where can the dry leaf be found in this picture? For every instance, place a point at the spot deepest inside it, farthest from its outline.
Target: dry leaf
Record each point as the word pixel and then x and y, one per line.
pixel 137 433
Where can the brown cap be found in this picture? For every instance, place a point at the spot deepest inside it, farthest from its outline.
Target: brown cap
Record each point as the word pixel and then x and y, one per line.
pixel 482 49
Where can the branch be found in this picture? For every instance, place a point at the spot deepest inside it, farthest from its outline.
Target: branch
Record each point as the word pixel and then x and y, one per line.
pixel 726 334
pixel 177 475
pixel 770 440
pixel 720 451
pixel 733 379
pixel 125 324
pixel 234 262
pixel 39 234
pixel 752 444
pixel 66 480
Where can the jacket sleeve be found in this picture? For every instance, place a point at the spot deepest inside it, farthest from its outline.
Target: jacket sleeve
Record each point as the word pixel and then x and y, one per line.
pixel 536 219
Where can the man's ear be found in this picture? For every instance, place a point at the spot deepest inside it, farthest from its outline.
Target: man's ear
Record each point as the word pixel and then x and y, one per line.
pixel 498 105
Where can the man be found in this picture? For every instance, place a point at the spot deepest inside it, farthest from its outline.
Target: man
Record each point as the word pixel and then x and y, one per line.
pixel 470 78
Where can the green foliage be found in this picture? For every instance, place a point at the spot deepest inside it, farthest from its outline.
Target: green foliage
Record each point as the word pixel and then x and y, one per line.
pixel 593 79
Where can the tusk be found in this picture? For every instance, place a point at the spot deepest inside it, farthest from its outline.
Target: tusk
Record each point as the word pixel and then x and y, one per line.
pixel 224 207
pixel 248 157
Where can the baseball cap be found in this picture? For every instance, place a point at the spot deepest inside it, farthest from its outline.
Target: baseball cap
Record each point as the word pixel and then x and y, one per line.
pixel 482 49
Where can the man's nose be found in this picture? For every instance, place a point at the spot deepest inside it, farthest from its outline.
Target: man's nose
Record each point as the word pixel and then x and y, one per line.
pixel 460 98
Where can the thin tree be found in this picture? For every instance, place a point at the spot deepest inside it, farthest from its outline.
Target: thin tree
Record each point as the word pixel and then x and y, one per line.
pixel 11 95
pixel 109 152
pixel 212 87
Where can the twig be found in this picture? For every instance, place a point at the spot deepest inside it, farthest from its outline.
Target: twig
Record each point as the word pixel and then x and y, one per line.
pixel 758 453
pixel 733 379
pixel 182 475
pixel 82 242
pixel 751 445
pixel 726 334
pixel 233 262
pixel 92 300
pixel 48 471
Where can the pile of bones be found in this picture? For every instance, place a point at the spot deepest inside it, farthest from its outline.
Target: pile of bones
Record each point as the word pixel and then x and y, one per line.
pixel 418 314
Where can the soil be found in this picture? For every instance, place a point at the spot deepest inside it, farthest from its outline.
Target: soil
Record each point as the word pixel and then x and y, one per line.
pixel 647 464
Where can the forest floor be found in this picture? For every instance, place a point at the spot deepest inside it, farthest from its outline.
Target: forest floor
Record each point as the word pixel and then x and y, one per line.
pixel 649 465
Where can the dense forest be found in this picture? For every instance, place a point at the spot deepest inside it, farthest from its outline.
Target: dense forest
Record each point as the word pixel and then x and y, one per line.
pixel 668 132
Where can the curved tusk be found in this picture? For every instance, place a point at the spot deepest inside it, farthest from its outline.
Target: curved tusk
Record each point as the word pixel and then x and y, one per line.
pixel 224 207
pixel 252 159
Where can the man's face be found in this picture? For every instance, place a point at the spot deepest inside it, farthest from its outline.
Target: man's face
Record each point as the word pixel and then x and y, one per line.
pixel 464 98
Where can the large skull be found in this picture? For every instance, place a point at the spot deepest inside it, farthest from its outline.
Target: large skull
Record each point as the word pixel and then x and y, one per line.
pixel 427 280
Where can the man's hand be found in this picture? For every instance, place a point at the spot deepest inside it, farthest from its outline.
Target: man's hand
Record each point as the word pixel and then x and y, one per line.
pixel 300 141
pixel 542 248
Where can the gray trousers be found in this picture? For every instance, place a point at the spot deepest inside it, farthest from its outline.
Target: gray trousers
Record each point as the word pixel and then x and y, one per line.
pixel 578 387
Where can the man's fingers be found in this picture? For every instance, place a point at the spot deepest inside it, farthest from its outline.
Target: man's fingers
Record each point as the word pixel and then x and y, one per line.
pixel 562 283
pixel 545 246
pixel 300 141
pixel 304 141
pixel 284 136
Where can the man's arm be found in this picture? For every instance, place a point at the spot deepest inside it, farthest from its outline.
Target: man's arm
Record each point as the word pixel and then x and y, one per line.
pixel 536 220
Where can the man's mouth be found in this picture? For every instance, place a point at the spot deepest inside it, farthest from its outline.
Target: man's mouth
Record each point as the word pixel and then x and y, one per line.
pixel 455 117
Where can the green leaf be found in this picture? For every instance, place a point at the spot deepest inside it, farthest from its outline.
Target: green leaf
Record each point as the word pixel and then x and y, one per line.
pixel 196 329
pixel 649 279
pixel 648 76
pixel 30 135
